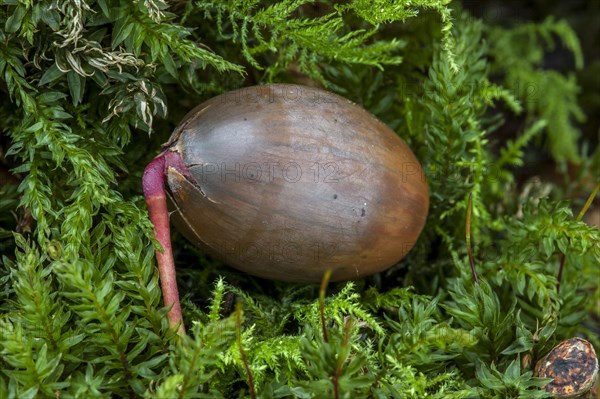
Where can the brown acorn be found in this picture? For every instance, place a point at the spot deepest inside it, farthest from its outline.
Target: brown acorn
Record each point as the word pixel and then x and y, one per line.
pixel 285 182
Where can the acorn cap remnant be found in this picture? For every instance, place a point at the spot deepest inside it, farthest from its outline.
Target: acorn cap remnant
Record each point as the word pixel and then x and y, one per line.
pixel 573 365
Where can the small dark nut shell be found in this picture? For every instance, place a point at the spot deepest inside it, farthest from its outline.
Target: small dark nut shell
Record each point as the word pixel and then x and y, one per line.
pixel 573 365
pixel 291 181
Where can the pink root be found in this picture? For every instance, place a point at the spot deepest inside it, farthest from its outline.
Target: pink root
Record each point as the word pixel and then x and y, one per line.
pixel 153 183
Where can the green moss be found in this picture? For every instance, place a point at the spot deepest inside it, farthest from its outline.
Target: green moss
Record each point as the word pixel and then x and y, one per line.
pixel 91 89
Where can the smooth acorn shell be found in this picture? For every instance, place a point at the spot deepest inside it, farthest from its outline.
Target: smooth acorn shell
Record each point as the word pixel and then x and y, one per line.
pixel 292 181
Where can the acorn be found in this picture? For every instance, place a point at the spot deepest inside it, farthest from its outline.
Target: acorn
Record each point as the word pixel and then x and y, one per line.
pixel 285 182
